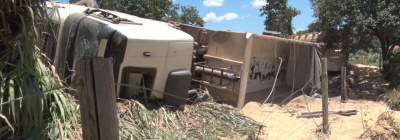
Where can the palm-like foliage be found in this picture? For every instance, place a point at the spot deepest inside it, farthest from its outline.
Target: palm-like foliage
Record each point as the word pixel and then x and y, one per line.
pixel 41 112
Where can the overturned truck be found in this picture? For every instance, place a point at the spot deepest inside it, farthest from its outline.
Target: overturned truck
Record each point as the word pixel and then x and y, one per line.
pixel 241 67
pixel 335 56
pixel 171 59
pixel 146 54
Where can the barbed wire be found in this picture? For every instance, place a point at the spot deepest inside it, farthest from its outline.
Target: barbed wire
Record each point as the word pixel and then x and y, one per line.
pixel 163 92
pixel 188 99
pixel 352 92
pixel 293 93
pixel 35 94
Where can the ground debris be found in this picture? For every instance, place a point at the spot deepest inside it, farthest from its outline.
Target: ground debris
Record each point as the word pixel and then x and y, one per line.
pixel 319 113
pixel 386 127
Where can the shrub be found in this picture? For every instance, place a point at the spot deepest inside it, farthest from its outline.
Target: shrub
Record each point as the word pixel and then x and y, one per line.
pixel 392 98
pixel 393 66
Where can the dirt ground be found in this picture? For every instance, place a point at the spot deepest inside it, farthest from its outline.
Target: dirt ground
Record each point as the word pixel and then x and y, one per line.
pixel 366 96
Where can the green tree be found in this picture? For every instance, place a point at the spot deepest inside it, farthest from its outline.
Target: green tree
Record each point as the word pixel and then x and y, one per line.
pixel 352 22
pixel 190 15
pixel 312 27
pixel 279 16
pixel 302 32
pixel 163 10
pixel 152 9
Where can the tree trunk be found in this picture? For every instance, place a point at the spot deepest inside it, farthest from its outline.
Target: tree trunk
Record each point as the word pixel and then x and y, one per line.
pixel 380 63
pixel 385 65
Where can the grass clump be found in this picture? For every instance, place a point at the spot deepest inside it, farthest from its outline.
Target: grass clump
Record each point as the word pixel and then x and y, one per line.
pixel 206 120
pixel 390 120
pixel 392 98
pixel 387 127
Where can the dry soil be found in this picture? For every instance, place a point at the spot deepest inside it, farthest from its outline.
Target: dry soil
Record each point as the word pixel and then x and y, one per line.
pixel 366 96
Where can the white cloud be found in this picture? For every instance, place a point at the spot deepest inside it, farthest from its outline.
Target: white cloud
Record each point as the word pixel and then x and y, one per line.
pixel 258 3
pixel 213 3
pixel 214 18
pixel 246 16
pixel 230 16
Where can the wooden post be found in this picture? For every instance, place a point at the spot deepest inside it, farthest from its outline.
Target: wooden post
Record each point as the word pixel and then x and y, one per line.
pixel 343 85
pixel 324 86
pixel 97 99
pixel 244 76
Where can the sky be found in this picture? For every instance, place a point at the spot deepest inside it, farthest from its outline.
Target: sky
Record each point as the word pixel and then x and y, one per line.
pixel 243 15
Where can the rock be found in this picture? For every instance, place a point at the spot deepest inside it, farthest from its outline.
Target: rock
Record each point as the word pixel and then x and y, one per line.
pixel 317 95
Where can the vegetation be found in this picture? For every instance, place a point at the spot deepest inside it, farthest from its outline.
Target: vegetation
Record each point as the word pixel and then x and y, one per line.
pixel 393 99
pixel 279 16
pixel 392 122
pixel 394 68
pixel 164 10
pixel 207 120
pixel 370 57
pixel 33 103
pixel 387 127
pixel 354 23
pixel 312 27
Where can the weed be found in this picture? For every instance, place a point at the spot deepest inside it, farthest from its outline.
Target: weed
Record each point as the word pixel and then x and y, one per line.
pixel 392 122
pixel 291 112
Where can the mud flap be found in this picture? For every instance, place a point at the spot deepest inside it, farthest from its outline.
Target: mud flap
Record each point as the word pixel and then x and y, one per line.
pixel 177 88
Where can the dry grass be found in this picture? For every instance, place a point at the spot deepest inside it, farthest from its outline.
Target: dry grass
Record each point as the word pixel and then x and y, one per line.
pixel 386 127
pixel 207 120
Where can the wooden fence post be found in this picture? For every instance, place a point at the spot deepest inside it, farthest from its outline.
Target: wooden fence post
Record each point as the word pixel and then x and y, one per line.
pixel 324 86
pixel 97 99
pixel 343 85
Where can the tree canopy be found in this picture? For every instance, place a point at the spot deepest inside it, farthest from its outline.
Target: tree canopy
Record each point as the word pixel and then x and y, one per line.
pixel 190 15
pixel 279 16
pixel 312 27
pixel 354 23
pixel 163 10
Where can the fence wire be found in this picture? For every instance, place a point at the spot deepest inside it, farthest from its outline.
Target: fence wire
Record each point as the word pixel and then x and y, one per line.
pixel 190 101
pixel 163 92
pixel 36 94
pixel 290 96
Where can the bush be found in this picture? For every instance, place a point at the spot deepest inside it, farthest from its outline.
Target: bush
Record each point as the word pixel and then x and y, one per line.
pixel 392 98
pixel 393 66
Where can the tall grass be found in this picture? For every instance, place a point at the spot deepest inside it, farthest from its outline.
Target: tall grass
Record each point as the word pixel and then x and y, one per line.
pixel 51 114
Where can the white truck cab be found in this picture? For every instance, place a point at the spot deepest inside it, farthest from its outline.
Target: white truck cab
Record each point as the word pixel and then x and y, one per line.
pixel 145 52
